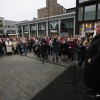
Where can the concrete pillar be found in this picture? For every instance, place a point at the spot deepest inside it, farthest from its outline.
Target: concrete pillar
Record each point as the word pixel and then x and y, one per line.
pixel 22 30
pixel 29 29
pixel 59 24
pixel 17 31
pixel 37 28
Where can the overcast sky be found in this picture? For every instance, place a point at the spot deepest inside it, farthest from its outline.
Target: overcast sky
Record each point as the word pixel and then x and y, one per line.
pixel 20 10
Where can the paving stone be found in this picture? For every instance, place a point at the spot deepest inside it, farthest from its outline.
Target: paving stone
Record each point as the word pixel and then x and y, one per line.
pixel 21 78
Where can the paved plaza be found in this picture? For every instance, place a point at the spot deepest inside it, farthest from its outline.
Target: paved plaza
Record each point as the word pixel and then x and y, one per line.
pixel 21 77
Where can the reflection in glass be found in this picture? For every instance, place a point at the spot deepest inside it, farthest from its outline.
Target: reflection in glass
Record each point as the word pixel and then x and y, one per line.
pixel 69 25
pixel 80 14
pixel 90 12
pixel 33 27
pixel 54 25
pixel 42 26
pixel 25 28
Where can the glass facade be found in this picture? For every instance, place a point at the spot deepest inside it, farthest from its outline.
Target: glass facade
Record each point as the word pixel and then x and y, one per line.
pixel 50 28
pixel 11 31
pixel 90 12
pixel 42 28
pixel 19 31
pixel 33 27
pixel 69 24
pixel 33 30
pixel 53 27
pixel 98 14
pixel 80 14
pixel 25 30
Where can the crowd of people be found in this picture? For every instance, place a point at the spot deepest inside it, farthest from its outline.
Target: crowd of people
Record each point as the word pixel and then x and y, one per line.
pixel 64 47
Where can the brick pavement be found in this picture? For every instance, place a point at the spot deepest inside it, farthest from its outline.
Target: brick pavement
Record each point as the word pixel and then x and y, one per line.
pixel 22 77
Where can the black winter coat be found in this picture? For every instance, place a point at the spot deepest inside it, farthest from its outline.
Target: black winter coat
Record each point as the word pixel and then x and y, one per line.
pixel 92 71
pixel 56 46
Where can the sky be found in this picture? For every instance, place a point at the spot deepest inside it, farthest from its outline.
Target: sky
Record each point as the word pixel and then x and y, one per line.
pixel 20 10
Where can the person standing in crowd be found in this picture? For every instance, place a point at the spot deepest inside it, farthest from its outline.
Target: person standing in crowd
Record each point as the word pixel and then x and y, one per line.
pixel 81 48
pixel 72 48
pixel 8 44
pixel 55 49
pixel 37 48
pixel 64 50
pixel 92 63
pixel 23 47
pixel 14 46
pixel 44 48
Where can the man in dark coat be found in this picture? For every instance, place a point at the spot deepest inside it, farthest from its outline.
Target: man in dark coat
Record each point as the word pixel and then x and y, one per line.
pixel 44 47
pixel 92 63
pixel 55 49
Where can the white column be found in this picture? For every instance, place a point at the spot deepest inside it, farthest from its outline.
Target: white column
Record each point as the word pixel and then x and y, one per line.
pixel 29 29
pixel 22 30
pixel 74 27
pixel 17 31
pixel 47 26
pixel 59 25
pixel 37 28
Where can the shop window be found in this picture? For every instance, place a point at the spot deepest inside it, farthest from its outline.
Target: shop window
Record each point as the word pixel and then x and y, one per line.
pixel 88 28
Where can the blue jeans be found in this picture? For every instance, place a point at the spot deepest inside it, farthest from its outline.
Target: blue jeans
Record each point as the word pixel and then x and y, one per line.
pixel 55 55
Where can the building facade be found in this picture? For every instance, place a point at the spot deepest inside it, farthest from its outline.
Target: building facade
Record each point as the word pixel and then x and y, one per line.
pixel 52 8
pixel 1 25
pixel 10 28
pixel 48 26
pixel 87 14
